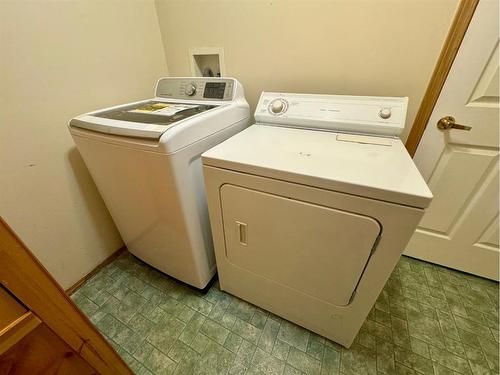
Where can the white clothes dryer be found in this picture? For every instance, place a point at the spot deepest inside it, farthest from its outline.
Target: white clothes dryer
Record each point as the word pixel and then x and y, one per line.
pixel 145 160
pixel 312 206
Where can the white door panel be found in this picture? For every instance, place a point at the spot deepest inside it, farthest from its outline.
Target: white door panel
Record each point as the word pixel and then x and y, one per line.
pixel 460 228
pixel 460 172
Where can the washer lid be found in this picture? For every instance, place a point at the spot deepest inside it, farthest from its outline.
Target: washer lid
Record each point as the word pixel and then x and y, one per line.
pixel 146 119
pixel 374 167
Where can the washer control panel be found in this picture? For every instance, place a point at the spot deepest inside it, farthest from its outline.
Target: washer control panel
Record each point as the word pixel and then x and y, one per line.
pixel 343 113
pixel 209 89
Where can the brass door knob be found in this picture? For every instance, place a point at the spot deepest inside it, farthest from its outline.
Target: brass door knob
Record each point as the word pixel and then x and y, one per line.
pixel 448 122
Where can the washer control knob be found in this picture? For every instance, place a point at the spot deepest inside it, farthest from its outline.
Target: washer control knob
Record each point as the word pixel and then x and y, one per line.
pixel 277 106
pixel 385 113
pixel 190 89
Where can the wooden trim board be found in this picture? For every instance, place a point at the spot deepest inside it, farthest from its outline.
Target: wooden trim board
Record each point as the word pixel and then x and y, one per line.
pixel 23 275
pixel 17 330
pixel 449 51
pixel 72 289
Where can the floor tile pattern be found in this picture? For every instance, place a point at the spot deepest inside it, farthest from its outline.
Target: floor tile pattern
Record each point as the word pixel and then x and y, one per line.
pixel 427 320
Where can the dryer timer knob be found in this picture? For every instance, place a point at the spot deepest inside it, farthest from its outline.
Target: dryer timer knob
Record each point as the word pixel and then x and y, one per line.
pixel 385 113
pixel 277 106
pixel 190 89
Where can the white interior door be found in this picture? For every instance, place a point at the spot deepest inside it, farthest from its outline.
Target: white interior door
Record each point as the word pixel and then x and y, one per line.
pixel 460 228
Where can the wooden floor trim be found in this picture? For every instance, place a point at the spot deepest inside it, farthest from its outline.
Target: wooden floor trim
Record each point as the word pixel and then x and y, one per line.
pixel 72 289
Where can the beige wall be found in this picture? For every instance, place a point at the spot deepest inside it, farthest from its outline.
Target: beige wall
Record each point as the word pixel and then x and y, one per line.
pixel 360 47
pixel 57 60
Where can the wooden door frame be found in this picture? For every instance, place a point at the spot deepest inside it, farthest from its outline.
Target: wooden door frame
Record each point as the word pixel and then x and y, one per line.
pixel 26 278
pixel 463 16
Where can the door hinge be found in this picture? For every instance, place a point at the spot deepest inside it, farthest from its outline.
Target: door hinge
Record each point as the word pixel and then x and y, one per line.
pixel 375 245
pixel 352 296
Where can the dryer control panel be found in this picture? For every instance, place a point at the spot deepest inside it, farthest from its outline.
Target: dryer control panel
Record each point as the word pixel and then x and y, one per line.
pixel 209 89
pixel 343 113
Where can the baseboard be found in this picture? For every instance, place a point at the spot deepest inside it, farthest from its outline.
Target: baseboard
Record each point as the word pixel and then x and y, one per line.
pixel 72 289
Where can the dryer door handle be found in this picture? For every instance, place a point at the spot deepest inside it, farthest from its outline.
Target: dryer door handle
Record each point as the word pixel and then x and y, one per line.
pixel 242 232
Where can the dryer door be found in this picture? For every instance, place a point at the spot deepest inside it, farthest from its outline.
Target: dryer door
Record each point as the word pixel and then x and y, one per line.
pixel 313 249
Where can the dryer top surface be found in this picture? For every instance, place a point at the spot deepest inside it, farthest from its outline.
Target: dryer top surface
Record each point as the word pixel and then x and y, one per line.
pixel 373 167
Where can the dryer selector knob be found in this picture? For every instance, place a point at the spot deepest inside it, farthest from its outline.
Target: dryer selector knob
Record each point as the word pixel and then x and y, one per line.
pixel 278 106
pixel 385 113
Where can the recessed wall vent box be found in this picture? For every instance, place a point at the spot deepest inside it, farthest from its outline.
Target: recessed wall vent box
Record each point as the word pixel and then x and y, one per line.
pixel 207 62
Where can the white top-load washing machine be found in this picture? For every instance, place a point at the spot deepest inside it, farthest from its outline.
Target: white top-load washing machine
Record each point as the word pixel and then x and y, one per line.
pixel 312 206
pixel 145 160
